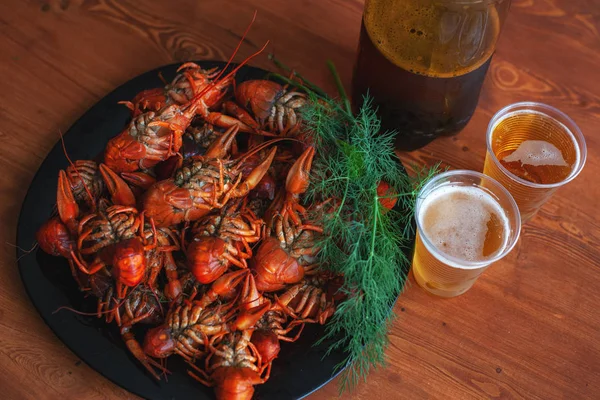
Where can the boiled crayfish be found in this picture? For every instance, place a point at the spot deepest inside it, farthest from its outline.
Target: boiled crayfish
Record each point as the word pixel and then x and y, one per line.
pixel 190 80
pixel 274 107
pixel 189 325
pixel 221 240
pixel 290 251
pixel 210 239
pixel 203 183
pixel 234 366
pixel 153 137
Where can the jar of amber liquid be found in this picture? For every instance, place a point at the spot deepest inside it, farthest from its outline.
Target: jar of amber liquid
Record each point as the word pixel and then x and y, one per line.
pixel 424 61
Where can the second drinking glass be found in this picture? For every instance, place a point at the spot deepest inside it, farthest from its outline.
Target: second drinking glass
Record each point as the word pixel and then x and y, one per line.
pixel 532 150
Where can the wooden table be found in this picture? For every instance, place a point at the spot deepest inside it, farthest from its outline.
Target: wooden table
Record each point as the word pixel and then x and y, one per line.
pixel 530 326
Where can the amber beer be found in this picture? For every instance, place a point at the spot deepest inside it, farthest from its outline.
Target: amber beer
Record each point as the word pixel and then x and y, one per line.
pixel 424 61
pixel 532 150
pixel 465 222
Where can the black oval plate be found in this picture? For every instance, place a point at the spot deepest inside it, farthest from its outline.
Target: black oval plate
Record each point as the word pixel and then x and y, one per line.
pixel 300 369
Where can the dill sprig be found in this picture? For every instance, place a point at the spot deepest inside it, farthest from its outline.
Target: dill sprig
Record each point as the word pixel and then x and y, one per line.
pixel 363 240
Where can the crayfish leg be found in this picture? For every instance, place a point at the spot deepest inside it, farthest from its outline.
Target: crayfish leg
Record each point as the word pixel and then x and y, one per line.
pixel 203 381
pixel 136 349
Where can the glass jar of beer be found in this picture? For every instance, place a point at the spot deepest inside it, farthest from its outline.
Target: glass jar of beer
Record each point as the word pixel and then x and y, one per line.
pixel 424 61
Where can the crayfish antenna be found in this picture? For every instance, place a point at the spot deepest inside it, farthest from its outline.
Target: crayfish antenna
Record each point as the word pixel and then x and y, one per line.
pixel 194 100
pixel 237 48
pixel 127 104
pixel 204 379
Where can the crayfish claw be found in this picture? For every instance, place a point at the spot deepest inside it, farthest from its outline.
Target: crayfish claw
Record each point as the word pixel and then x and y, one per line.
pixel 226 283
pixel 139 179
pixel 220 147
pixel 298 177
pixel 247 319
pixel 68 210
pixel 255 176
pixel 120 193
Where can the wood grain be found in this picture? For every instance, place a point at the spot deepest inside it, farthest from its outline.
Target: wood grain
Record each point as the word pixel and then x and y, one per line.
pixel 528 329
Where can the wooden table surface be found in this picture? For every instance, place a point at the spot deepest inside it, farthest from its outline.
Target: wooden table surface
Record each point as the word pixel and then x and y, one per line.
pixel 530 326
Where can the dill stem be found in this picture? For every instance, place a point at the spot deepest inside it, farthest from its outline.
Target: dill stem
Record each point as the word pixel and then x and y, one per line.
pixel 340 87
pixel 308 83
pixel 291 82
pixel 394 196
pixel 339 178
pixel 343 201
pixel 375 220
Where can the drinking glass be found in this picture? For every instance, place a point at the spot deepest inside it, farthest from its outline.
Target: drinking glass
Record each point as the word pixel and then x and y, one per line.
pixel 532 150
pixel 465 222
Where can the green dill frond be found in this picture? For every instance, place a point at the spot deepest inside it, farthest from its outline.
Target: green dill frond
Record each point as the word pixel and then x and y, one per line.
pixel 362 240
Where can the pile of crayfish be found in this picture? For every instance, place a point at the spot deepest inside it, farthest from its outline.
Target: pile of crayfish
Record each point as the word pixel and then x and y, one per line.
pixel 199 205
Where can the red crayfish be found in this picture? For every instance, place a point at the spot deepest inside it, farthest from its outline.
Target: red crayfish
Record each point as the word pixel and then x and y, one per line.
pixel 221 240
pixel 284 258
pixel 202 184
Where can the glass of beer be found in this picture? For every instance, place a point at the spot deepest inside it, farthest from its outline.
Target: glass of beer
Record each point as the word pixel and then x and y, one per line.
pixel 532 150
pixel 424 62
pixel 465 222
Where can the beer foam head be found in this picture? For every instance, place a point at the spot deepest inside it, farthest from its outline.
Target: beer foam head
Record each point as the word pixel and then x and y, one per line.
pixel 537 153
pixel 456 220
